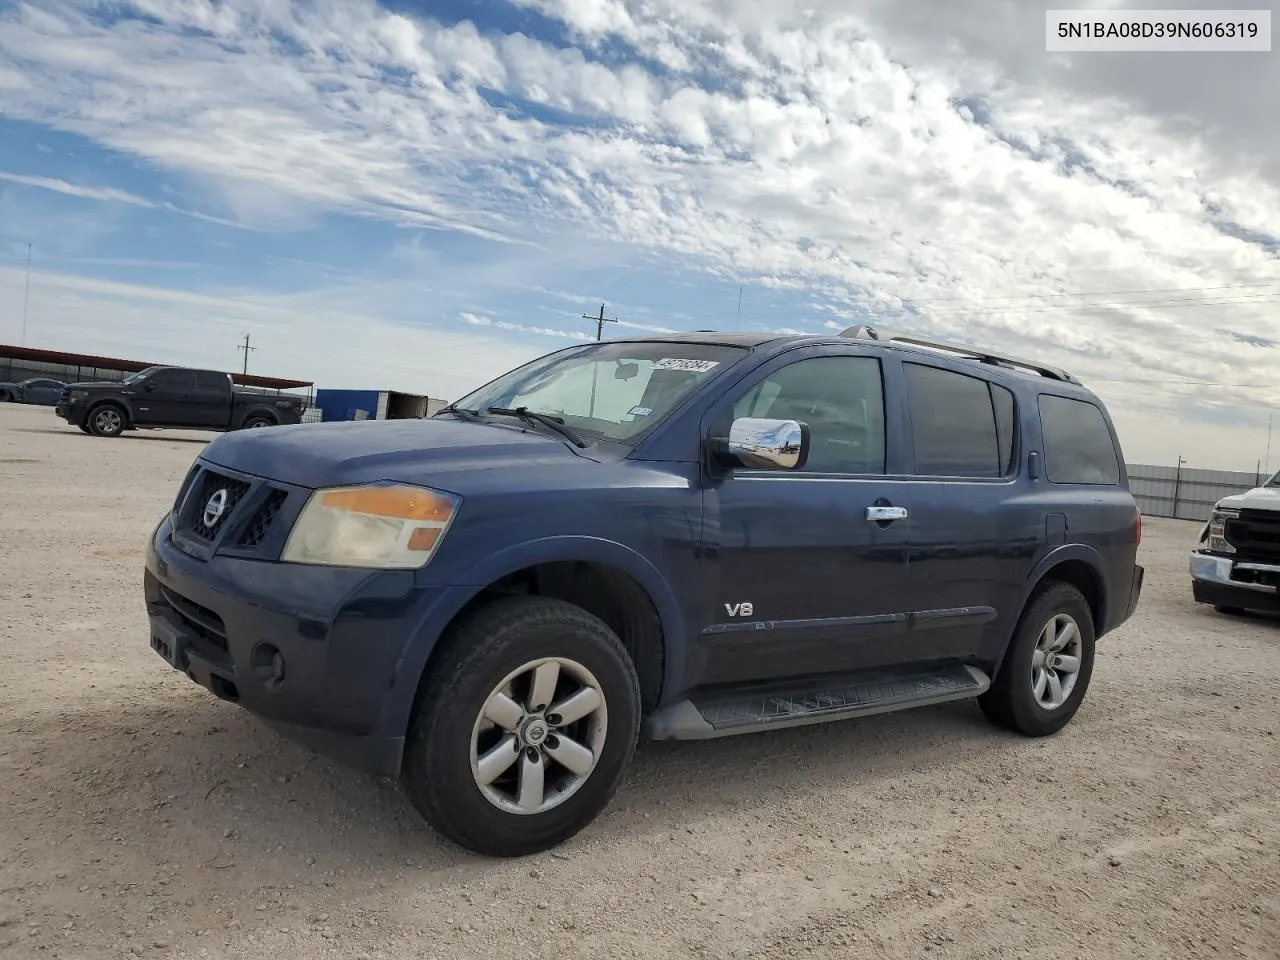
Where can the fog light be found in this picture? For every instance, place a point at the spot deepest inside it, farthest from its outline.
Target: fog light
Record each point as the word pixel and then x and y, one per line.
pixel 268 665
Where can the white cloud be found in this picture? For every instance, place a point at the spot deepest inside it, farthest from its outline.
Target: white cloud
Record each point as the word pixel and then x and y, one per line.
pixel 810 146
pixel 76 190
pixel 482 321
pixel 69 189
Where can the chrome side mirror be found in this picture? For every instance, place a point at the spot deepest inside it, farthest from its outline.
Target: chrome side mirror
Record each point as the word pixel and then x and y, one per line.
pixel 761 444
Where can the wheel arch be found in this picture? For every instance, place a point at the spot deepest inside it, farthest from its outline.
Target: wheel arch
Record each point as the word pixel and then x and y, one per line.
pixel 266 412
pixel 604 578
pixel 121 405
pixel 1074 564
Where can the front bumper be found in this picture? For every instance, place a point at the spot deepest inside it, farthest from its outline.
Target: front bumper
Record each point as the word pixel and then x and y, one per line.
pixel 71 412
pixel 329 657
pixel 1227 582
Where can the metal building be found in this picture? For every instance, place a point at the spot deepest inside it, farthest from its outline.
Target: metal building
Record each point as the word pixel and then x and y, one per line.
pixel 374 405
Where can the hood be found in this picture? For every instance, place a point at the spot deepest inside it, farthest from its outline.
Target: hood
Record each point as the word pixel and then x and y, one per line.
pixel 1259 498
pixel 95 385
pixel 363 451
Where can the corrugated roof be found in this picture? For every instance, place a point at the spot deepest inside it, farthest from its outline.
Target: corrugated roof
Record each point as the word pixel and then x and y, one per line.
pixel 9 352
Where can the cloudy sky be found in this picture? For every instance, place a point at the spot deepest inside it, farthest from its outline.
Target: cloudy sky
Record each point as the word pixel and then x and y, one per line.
pixel 420 194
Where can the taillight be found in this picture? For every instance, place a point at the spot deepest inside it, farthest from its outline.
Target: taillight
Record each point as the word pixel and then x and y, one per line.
pixel 1138 524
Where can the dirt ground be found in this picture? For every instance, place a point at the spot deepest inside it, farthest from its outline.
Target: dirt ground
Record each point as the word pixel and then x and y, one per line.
pixel 139 816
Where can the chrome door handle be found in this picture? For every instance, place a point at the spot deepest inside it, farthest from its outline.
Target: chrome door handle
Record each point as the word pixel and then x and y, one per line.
pixel 886 513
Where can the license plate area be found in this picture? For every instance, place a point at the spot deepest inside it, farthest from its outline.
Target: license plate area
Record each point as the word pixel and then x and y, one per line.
pixel 169 642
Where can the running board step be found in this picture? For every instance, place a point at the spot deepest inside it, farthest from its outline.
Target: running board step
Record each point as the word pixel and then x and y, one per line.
pixel 775 705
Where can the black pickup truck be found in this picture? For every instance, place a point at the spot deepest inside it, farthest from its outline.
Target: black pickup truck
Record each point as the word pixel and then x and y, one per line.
pixel 175 397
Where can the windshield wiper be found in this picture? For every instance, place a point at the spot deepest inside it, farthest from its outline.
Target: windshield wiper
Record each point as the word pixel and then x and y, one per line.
pixel 533 416
pixel 462 413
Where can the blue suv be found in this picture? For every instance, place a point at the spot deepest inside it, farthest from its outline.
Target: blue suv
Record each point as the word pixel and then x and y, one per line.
pixel 672 538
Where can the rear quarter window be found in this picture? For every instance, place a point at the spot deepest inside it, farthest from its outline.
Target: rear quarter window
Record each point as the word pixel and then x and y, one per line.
pixel 1077 444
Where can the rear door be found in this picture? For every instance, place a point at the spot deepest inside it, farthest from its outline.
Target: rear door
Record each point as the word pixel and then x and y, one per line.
pixel 974 528
pixel 211 399
pixel 801 580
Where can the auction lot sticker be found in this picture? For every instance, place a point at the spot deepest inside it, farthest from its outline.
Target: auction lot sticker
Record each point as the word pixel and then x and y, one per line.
pixel 1157 31
pixel 697 366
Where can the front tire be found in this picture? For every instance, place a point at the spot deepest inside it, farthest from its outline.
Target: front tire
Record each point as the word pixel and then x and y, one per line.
pixel 523 727
pixel 106 420
pixel 1048 665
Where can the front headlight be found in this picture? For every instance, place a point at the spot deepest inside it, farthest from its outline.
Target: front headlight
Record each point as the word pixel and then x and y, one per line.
pixel 384 526
pixel 78 395
pixel 1218 529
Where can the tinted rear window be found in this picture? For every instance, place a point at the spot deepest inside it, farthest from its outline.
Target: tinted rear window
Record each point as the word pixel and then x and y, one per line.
pixel 1077 443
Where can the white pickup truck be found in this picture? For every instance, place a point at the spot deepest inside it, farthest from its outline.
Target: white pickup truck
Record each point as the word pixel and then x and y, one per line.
pixel 1236 564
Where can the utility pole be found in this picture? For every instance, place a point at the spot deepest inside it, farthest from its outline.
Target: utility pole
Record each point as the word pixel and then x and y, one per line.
pixel 601 320
pixel 1177 487
pixel 1267 465
pixel 246 348
pixel 26 296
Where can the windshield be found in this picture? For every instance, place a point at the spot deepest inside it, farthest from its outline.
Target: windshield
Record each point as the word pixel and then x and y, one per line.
pixel 606 391
pixel 135 377
pixel 1274 481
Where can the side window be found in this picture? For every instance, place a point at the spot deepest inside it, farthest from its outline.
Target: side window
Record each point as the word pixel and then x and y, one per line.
pixel 842 401
pixel 1077 443
pixel 956 423
pixel 174 381
pixel 211 382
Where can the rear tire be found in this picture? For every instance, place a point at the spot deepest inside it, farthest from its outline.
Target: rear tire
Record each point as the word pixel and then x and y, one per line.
pixel 1041 684
pixel 106 420
pixel 563 771
pixel 257 423
pixel 1231 611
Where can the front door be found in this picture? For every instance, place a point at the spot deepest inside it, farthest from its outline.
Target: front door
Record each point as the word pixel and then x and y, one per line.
pixel 801 580
pixel 165 397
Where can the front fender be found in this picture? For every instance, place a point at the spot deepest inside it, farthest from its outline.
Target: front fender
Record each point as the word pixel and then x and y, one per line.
pixel 592 549
pixel 427 632
pixel 124 403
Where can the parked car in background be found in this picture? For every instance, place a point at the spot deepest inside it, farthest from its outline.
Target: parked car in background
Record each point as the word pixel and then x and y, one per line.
pixel 175 397
pixel 38 390
pixel 1236 564
pixel 680 537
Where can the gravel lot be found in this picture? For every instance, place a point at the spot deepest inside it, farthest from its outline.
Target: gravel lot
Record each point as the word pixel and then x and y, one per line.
pixel 143 817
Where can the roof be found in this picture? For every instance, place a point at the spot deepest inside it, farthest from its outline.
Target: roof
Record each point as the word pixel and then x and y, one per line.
pixel 910 343
pixel 35 355
pixel 710 337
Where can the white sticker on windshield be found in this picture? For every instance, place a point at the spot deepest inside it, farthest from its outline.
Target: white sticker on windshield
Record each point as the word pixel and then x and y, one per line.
pixel 640 411
pixel 697 366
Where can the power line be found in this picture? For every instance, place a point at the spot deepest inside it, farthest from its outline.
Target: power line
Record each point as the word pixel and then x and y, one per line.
pixel 1097 293
pixel 1103 304
pixel 1182 383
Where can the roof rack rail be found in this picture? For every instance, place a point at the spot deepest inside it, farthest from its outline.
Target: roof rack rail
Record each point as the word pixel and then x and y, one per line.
pixel 866 332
